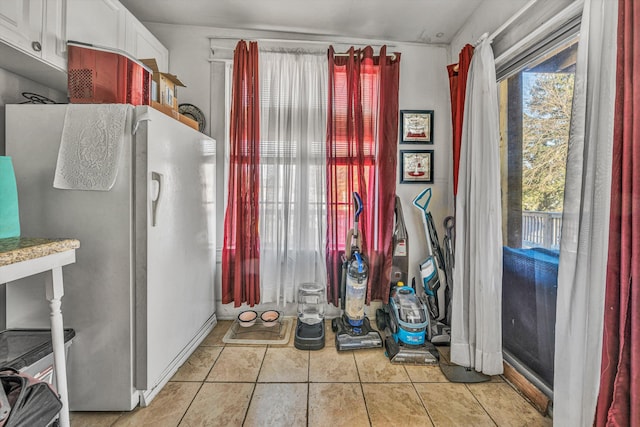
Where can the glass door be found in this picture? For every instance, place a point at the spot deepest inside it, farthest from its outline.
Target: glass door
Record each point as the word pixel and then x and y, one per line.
pixel 535 115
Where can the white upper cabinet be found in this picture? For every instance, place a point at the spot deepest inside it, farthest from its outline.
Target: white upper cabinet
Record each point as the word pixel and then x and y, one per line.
pixel 141 44
pixel 36 27
pixel 97 22
pixel 33 40
pixel 20 24
pixel 108 23
pixel 54 33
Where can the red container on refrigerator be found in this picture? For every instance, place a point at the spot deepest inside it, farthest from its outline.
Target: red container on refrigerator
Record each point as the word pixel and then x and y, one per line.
pixel 100 75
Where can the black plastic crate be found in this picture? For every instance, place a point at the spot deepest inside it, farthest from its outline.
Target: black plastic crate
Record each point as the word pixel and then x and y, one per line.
pixel 22 348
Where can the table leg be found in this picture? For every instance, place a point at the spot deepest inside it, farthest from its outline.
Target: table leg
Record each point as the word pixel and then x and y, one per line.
pixel 55 291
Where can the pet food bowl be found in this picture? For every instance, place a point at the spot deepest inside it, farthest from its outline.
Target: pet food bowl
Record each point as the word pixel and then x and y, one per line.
pixel 270 318
pixel 247 318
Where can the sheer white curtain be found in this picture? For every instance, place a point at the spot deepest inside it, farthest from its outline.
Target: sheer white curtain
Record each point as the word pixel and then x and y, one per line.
pixel 476 325
pixel 585 221
pixel 293 90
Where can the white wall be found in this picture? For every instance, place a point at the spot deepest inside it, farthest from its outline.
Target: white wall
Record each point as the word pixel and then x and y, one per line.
pixel 423 86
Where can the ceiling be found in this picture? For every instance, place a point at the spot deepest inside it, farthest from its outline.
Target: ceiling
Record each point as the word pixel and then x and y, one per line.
pixel 416 21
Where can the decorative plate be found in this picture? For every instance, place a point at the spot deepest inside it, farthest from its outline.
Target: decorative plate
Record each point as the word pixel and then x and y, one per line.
pixel 193 112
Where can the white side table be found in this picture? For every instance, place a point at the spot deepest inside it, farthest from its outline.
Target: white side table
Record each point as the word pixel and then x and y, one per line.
pixel 21 257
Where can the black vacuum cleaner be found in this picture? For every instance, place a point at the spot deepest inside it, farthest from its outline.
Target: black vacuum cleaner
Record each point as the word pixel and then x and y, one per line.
pixel 353 330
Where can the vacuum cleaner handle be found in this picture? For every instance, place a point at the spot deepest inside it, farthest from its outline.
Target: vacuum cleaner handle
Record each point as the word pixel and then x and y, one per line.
pixel 349 244
pixel 357 203
pixel 417 201
pixel 421 202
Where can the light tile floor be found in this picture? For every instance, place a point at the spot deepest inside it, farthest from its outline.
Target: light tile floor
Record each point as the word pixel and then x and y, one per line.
pixel 230 385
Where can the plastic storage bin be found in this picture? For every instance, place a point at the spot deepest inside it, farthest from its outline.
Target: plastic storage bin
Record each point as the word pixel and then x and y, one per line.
pixel 98 75
pixel 30 351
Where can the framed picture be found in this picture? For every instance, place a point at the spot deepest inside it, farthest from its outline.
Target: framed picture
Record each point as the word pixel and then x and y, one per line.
pixel 416 166
pixel 416 126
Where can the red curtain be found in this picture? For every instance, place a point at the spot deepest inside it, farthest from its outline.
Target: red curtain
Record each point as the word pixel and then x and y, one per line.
pixel 619 396
pixel 362 135
pixel 241 247
pixel 458 87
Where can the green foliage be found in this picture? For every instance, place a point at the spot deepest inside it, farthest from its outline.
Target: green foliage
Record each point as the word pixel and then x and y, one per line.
pixel 546 121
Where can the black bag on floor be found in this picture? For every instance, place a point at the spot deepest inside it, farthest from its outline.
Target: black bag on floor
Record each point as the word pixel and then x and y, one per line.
pixel 26 401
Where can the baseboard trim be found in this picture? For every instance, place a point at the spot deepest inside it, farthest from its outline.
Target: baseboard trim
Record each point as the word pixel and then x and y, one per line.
pixel 539 400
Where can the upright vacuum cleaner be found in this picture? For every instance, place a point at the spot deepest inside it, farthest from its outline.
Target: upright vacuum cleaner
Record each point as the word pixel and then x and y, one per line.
pixel 433 275
pixel 353 330
pixel 405 319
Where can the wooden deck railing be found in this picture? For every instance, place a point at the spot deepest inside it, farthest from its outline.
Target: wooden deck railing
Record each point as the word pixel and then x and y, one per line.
pixel 541 229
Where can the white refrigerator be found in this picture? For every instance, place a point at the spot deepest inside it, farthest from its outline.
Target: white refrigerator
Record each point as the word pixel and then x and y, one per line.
pixel 140 296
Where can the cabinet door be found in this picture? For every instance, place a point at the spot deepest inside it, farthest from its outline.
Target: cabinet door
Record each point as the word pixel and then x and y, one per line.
pixel 97 22
pixel 28 47
pixel 20 24
pixel 54 33
pixel 141 44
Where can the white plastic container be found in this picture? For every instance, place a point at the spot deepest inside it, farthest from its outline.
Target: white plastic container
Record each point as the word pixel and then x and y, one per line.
pixel 311 302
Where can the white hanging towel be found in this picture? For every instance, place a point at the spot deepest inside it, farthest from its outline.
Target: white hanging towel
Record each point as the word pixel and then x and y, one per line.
pixel 92 140
pixel 476 324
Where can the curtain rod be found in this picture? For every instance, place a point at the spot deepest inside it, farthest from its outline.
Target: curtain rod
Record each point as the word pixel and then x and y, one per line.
pixel 212 47
pixel 391 54
pixel 322 42
pixel 376 43
pixel 211 59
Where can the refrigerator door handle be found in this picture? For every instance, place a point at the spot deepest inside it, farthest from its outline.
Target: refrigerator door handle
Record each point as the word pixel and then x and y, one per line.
pixel 156 191
pixel 143 117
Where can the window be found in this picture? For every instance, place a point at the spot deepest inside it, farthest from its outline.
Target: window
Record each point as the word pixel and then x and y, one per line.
pixel 362 130
pixel 292 211
pixel 535 115
pixel 352 159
